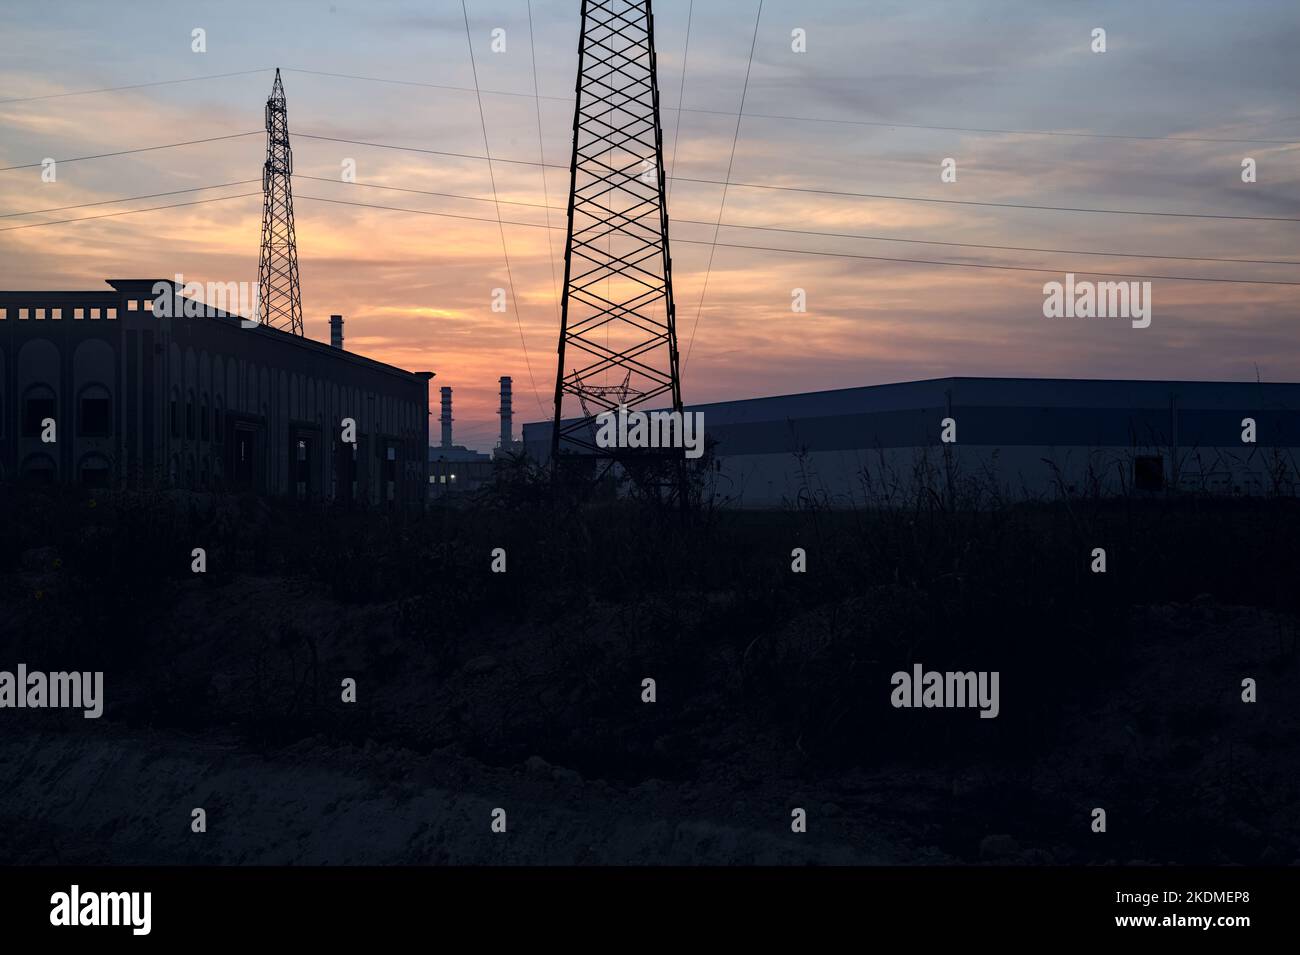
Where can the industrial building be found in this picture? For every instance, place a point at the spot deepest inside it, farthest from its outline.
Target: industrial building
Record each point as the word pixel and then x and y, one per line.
pixel 199 401
pixel 455 469
pixel 1007 438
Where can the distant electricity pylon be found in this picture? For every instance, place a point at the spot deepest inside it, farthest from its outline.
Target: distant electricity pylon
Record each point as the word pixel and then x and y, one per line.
pixel 618 327
pixel 279 295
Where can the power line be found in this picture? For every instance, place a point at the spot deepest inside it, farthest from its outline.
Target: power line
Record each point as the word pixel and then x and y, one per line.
pixel 681 94
pixel 133 86
pixel 429 152
pixel 427 212
pixel 832 120
pixel 843 255
pixel 682 221
pixel 428 192
pixel 882 124
pixel 1000 132
pixel 1005 268
pixel 832 192
pixel 107 202
pixel 431 86
pixel 505 252
pixel 128 212
pixel 998 248
pixel 725 245
pixel 727 183
pixel 837 235
pixel 541 156
pixel 722 205
pixel 141 149
pixel 998 205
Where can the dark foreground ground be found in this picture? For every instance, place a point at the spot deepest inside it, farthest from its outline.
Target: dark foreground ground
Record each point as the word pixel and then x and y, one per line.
pixel 523 690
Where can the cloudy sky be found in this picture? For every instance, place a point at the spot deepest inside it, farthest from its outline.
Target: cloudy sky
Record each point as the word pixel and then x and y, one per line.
pixel 1184 92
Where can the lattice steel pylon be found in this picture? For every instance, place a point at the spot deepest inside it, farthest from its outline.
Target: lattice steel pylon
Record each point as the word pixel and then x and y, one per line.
pixel 617 316
pixel 278 294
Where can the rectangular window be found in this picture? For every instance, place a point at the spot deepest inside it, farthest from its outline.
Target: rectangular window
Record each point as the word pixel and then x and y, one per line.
pixel 36 410
pixel 132 305
pixel 56 313
pixel 96 417
pixel 23 314
pixel 111 313
pixel 94 313
pixel 40 314
pixel 78 314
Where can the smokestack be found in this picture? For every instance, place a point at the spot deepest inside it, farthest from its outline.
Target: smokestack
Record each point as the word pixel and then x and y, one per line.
pixel 446 417
pixel 336 331
pixel 506 417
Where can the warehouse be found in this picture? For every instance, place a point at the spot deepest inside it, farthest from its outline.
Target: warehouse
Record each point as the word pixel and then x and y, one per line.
pixel 977 440
pixel 200 403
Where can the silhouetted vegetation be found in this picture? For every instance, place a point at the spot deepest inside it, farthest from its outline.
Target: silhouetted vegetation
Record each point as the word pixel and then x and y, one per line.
pixel 753 662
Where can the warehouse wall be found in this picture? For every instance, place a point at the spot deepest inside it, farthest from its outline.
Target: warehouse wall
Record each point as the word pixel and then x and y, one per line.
pixel 1014 439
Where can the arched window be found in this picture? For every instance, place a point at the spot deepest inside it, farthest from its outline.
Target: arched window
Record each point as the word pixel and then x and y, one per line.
pixel 218 421
pixel 175 420
pixel 38 404
pixel 204 426
pixel 189 416
pixel 94 412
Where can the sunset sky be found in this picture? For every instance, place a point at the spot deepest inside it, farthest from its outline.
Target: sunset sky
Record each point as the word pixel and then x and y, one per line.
pixel 416 289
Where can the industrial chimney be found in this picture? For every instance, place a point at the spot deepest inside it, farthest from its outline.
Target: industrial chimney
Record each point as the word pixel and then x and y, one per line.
pixel 446 417
pixel 336 331
pixel 506 417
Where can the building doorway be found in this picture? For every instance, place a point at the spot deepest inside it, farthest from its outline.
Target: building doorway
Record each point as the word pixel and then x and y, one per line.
pixel 243 453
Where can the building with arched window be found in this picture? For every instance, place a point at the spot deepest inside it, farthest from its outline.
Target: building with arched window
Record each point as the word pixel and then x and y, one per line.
pixel 111 389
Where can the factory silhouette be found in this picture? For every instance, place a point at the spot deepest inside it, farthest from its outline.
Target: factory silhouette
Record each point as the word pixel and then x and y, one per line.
pixel 140 391
pixel 922 623
pixel 143 384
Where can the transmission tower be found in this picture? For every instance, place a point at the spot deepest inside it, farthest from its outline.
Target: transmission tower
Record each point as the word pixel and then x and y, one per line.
pixel 279 295
pixel 617 325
